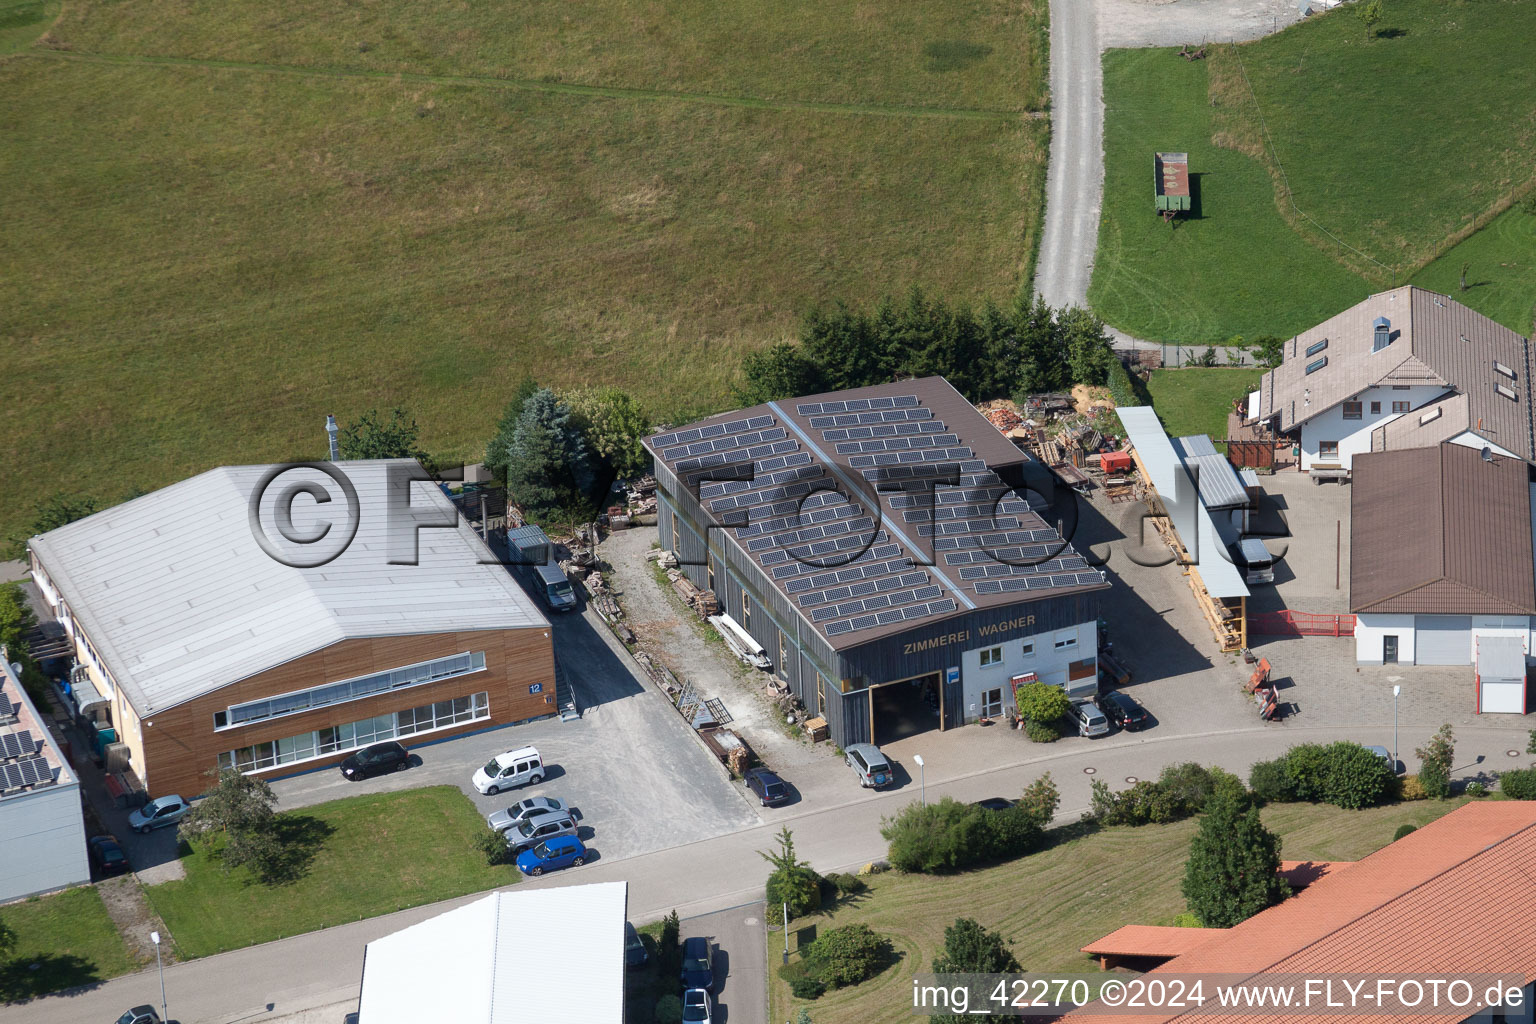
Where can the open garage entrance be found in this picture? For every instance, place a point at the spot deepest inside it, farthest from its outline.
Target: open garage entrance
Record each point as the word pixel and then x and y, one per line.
pixel 905 708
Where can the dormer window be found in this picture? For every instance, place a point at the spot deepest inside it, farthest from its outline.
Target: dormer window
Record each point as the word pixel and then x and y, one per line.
pixel 1382 328
pixel 1317 364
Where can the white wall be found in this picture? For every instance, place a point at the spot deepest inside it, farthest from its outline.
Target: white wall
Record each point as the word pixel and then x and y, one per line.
pixel 1354 436
pixel 1369 629
pixel 1471 440
pixel 42 842
pixel 1046 661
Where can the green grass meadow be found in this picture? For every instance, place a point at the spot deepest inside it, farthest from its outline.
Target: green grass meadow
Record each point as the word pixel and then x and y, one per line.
pixel 1231 267
pixel 1501 271
pixel 225 221
pixel 371 855
pixel 1052 903
pixel 70 939
pixel 1196 399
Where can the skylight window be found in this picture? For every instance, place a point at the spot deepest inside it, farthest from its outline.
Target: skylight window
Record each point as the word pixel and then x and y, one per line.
pixel 1313 350
pixel 1317 364
pixel 1508 393
pixel 1499 367
pixel 1431 416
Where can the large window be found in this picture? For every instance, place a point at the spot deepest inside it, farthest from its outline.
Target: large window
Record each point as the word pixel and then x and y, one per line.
pixel 1327 449
pixel 991 656
pixel 338 738
pixel 1352 410
pixel 350 689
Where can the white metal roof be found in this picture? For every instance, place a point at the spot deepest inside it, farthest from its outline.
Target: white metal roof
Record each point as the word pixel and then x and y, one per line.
pixel 1500 657
pixel 526 956
pixel 1219 483
pixel 179 599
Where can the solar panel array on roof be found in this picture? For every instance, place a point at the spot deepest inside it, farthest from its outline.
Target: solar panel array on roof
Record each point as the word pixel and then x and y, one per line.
pixel 7 707
pixel 909 429
pixel 29 772
pixel 858 405
pixel 17 744
pixel 711 431
pixel 859 419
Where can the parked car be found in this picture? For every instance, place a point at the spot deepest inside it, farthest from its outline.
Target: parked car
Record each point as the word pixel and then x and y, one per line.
pixel 500 821
pixel 994 803
pixel 1090 721
pixel 166 810
pixel 142 1015
pixel 698 964
pixel 766 786
pixel 873 770
pixel 557 853
pixel 634 949
pixel 696 1007
pixel 537 829
pixel 106 855
pixel 376 760
pixel 1386 755
pixel 514 768
pixel 1122 710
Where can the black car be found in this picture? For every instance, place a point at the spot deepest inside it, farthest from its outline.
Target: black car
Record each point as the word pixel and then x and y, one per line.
pixel 376 760
pixel 768 787
pixel 142 1015
pixel 1122 710
pixel 698 966
pixel 994 803
pixel 634 949
pixel 107 857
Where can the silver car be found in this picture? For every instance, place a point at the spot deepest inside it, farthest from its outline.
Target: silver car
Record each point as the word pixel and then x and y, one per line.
pixel 532 831
pixel 500 821
pixel 158 813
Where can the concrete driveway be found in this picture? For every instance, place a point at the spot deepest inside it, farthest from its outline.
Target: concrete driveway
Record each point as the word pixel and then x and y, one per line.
pixel 740 965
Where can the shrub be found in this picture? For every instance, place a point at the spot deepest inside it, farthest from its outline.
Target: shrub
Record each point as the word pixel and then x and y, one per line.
pixel 947 836
pixel 1041 702
pixel 1040 800
pixel 1040 732
pixel 1271 783
pixel 1435 761
pixel 1410 789
pixel 1232 870
pixel 802 982
pixel 792 881
pixel 1356 777
pixel 1307 767
pixel 669 1010
pixel 1519 784
pixel 1403 830
pixel 1434 781
pixel 669 951
pixel 1476 789
pixel 494 846
pixel 1013 832
pixel 847 955
pixel 1180 791
pixel 848 885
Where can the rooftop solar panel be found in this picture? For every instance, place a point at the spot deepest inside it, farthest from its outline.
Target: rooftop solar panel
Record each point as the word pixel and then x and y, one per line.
pixel 35 770
pixel 18 744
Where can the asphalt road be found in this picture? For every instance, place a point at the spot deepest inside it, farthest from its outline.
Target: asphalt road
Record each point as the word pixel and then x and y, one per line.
pixel 321 968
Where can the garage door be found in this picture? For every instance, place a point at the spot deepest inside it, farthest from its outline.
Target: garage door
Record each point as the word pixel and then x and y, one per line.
pixel 1442 640
pixel 1503 697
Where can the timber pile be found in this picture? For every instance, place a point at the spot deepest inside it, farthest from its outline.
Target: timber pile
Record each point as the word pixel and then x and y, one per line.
pixel 703 602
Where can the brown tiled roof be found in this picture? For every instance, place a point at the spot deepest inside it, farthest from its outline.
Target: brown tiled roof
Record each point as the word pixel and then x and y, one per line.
pixel 1435 340
pixel 1412 431
pixel 1440 531
pixel 1151 940
pixel 1456 896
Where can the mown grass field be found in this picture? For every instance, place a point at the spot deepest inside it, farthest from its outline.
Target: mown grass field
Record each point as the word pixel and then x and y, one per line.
pixel 1196 399
pixel 1052 903
pixel 70 938
pixel 224 221
pixel 1231 267
pixel 369 855
pixel 1501 271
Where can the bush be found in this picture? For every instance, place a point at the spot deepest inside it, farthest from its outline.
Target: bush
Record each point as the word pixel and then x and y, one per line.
pixel 1519 784
pixel 1344 774
pixel 1307 767
pixel 1041 702
pixel 947 836
pixel 793 881
pixel 1435 761
pixel 669 952
pixel 1410 789
pixel 1271 783
pixel 494 846
pixel 1040 732
pixel 1403 830
pixel 848 885
pixel 1434 781
pixel 801 980
pixel 669 1010
pixel 1039 802
pixel 1476 789
pixel 847 955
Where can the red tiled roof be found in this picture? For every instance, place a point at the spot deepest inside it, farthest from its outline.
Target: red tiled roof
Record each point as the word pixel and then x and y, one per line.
pixel 1151 940
pixel 1456 896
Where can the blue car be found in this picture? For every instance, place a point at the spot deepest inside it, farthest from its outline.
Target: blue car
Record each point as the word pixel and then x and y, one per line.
pixel 551 855
pixel 698 971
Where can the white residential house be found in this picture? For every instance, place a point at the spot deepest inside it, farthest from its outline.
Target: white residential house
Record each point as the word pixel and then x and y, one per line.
pixel 1405 368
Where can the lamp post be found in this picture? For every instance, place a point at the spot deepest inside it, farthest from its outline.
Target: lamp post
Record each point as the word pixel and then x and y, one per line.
pixel 922 774
pixel 1395 691
pixel 155 938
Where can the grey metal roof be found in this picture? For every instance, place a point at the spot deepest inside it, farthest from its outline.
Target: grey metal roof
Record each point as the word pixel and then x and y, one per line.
pixel 1185 507
pixel 179 599
pixel 1220 486
pixel 1500 657
pixel 1435 340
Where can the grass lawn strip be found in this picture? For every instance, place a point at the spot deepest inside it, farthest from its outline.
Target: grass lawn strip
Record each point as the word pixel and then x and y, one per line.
pixel 1052 903
pixel 1233 267
pixel 1195 400
pixel 372 855
pixel 1501 271
pixel 71 939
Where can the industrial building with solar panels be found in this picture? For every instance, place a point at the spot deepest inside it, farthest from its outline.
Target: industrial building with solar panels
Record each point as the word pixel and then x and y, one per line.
pixel 867 540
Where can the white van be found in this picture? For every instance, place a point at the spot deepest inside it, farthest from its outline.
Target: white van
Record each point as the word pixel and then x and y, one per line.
pixel 1089 719
pixel 514 768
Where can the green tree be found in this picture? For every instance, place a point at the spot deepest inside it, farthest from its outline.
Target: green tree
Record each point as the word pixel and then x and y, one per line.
pixel 792 881
pixel 777 372
pixel 234 820
pixel 1087 345
pixel 1435 762
pixel 58 509
pixel 1039 802
pixel 493 845
pixel 1041 702
pixel 498 450
pixel 16 618
pixel 7 939
pixel 550 465
pixel 370 436
pixel 669 1009
pixel 1233 865
pixel 841 343
pixel 847 955
pixel 613 424
pixel 669 952
pixel 1369 12
pixel 971 949
pixel 1530 744
pixel 1357 777
pixel 803 1017
pixel 1267 350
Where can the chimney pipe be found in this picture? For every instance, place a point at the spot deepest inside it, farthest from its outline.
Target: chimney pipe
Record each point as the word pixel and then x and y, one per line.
pixel 330 431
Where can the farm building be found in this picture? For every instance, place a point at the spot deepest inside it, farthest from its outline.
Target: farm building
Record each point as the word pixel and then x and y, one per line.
pixel 1440 555
pixel 203 650
pixel 1405 368
pixel 867 541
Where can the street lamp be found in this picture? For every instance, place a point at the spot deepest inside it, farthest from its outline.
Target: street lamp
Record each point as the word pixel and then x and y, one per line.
pixel 155 938
pixel 1395 691
pixel 922 774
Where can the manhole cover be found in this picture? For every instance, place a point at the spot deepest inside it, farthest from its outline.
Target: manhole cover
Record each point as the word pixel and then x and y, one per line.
pixel 749 922
pixel 1512 753
pixel 1132 779
pixel 1090 771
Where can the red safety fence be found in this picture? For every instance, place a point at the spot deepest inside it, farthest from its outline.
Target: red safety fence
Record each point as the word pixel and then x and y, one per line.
pixel 1289 623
